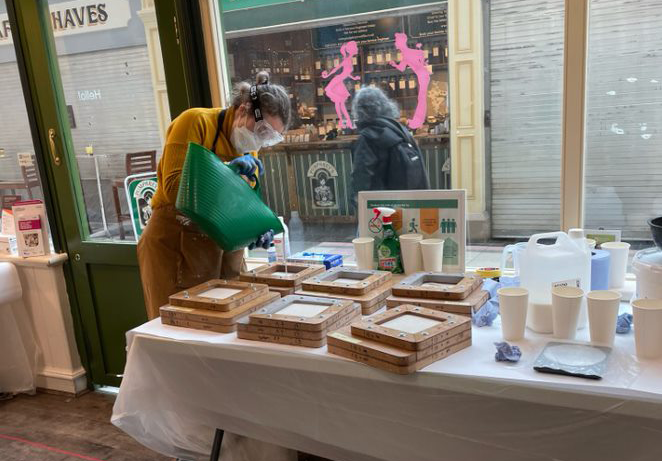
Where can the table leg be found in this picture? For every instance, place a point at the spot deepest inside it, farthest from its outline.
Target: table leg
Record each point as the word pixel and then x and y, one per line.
pixel 216 447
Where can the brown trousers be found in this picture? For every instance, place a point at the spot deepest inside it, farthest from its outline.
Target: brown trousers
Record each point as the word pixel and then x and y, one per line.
pixel 174 255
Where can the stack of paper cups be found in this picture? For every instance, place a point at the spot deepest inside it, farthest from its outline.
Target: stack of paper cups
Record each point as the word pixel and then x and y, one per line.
pixel 433 254
pixel 411 252
pixel 364 251
pixel 618 252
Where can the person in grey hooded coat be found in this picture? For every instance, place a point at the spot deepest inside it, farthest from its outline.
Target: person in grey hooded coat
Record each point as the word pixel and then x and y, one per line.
pixel 385 156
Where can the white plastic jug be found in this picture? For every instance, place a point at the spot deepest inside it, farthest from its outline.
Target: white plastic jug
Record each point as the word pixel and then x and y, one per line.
pixel 542 267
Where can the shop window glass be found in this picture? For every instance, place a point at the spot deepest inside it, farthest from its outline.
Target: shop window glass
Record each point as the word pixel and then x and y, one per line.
pixel 322 64
pixel 524 76
pixel 114 87
pixel 623 164
pixel 19 172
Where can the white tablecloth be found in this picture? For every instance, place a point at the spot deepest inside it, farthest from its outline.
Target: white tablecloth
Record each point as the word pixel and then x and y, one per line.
pixel 179 384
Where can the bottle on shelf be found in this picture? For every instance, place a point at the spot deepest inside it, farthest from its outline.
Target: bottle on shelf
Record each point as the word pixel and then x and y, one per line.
pixel 357 85
pixel 354 60
pixel 320 91
pixel 435 51
pixel 379 57
pixel 370 60
pixel 318 64
pixel 388 55
pixel 412 85
pixel 402 86
pixel 392 84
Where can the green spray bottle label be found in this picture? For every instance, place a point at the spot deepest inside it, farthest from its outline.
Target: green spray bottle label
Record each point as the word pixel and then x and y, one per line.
pixel 388 249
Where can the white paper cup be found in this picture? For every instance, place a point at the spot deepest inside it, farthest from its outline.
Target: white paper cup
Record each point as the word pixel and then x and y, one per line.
pixel 513 303
pixel 648 327
pixel 602 314
pixel 618 262
pixel 364 251
pixel 591 243
pixel 566 304
pixel 411 252
pixel 433 254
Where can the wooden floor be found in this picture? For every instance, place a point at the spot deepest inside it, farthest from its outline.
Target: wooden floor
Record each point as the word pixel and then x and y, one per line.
pixel 49 427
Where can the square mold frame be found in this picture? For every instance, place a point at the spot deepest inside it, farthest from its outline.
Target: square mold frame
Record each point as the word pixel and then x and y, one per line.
pixel 333 310
pixel 270 274
pixel 459 286
pixel 370 302
pixel 446 325
pixel 366 280
pixel 193 296
pixel 473 303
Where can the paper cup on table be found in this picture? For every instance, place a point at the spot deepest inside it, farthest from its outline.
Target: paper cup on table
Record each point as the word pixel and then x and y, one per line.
pixel 591 243
pixel 513 303
pixel 648 327
pixel 364 251
pixel 566 304
pixel 411 252
pixel 602 314
pixel 618 252
pixel 433 254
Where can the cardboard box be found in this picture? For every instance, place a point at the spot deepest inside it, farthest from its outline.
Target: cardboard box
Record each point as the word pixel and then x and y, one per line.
pixel 31 228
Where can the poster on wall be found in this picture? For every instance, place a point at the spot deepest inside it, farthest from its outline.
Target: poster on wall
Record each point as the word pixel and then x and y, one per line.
pixel 432 213
pixel 322 176
pixel 140 189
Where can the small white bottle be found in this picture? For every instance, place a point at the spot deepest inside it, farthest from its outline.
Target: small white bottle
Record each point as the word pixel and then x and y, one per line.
pixel 282 242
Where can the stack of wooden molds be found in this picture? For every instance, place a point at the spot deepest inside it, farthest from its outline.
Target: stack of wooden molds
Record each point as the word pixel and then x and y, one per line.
pixel 216 305
pixel 403 339
pixel 282 278
pixel 457 294
pixel 369 288
pixel 298 320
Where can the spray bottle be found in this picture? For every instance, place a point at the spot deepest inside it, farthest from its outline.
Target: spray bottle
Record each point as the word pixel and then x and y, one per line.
pixel 388 249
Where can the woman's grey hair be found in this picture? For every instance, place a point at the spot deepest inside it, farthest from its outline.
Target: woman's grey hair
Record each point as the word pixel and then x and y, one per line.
pixel 370 103
pixel 273 98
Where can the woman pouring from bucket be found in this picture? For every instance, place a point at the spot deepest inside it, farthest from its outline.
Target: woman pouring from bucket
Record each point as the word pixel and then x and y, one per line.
pixel 173 254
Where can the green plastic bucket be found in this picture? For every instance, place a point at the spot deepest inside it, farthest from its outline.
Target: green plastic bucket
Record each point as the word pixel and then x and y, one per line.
pixel 221 203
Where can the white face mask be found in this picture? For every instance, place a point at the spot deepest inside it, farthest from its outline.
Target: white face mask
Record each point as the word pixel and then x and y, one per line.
pixel 244 140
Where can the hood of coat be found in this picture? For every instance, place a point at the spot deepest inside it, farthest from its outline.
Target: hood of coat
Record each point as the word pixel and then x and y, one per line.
pixel 383 132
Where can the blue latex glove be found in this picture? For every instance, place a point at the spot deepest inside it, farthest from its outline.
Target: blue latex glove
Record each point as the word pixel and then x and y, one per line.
pixel 624 323
pixel 247 164
pixel 264 241
pixel 507 353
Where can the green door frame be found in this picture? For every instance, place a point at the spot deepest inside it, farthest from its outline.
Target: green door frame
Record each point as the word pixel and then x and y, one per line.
pixel 94 268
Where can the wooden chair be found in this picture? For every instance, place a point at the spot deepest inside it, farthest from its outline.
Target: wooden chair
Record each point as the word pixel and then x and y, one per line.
pixel 30 180
pixel 135 163
pixel 6 201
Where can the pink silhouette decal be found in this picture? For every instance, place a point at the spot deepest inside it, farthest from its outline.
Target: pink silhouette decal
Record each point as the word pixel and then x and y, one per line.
pixel 336 90
pixel 415 59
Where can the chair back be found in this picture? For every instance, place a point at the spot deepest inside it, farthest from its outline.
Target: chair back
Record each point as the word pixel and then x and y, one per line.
pixel 30 176
pixel 6 201
pixel 140 162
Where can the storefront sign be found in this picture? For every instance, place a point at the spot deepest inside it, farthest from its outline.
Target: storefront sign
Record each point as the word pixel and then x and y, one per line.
pixel 140 189
pixel 425 25
pixel 231 5
pixel 323 185
pixel 363 32
pixel 433 213
pixel 78 17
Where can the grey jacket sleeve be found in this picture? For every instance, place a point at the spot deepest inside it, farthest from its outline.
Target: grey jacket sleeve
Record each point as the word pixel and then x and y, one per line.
pixel 365 168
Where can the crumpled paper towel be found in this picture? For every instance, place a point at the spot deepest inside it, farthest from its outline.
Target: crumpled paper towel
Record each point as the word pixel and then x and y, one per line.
pixel 507 353
pixel 624 323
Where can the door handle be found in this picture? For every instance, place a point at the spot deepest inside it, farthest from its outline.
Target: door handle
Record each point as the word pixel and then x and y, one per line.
pixel 51 143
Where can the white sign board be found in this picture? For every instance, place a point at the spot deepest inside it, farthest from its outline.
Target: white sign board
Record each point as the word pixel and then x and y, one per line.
pixel 78 17
pixel 25 159
pixel 432 213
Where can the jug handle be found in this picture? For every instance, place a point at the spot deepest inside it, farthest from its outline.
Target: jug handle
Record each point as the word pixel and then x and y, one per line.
pixel 508 249
pixel 548 235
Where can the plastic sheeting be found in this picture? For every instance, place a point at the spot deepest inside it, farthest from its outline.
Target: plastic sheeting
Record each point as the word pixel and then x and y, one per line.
pixel 18 347
pixel 180 384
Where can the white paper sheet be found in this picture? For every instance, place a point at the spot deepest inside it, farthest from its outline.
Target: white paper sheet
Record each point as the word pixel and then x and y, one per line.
pixel 410 323
pixel 303 309
pixel 219 293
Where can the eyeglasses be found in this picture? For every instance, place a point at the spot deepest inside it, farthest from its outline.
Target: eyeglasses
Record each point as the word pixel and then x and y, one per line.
pixel 267 134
